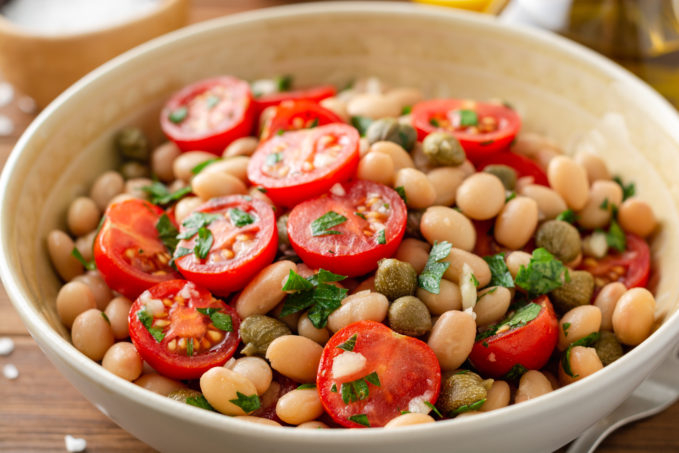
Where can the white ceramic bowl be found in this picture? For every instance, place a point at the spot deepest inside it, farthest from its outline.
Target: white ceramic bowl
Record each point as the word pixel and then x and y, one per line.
pixel 561 89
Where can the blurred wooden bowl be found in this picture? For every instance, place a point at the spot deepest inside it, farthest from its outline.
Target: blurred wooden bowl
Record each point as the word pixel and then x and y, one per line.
pixel 42 66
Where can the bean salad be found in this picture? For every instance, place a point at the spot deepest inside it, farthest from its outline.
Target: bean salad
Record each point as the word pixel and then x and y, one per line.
pixel 363 257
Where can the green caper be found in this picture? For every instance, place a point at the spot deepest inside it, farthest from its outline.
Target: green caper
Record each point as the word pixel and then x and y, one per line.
pixel 413 223
pixel 608 348
pixel 506 174
pixel 132 144
pixel 395 278
pixel 578 291
pixel 443 148
pixel 282 225
pixel 560 238
pixel 408 315
pixel 391 130
pixel 132 170
pixel 462 391
pixel 258 331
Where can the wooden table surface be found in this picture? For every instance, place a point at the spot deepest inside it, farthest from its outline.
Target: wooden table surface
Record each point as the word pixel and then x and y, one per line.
pixel 40 407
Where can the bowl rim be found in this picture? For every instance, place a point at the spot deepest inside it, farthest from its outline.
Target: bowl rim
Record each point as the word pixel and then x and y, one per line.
pixel 663 113
pixel 11 29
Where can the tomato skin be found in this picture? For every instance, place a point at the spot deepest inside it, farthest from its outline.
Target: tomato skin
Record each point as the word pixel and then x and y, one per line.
pixel 636 260
pixel 290 113
pixel 315 94
pixel 174 365
pixel 297 148
pixel 475 145
pixel 523 165
pixel 530 345
pixel 220 276
pixel 353 253
pixel 406 367
pixel 239 122
pixel 131 225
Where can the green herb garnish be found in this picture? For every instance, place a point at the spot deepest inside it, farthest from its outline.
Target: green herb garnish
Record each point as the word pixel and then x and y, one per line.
pixel 321 226
pixel 543 274
pixel 167 233
pixel 468 118
pixel 212 101
pixel 146 320
pixel 203 243
pixel 189 347
pixel 199 401
pixel 159 194
pixel 283 83
pixel 615 237
pixel 587 341
pixel 516 372
pixel 316 294
pixel 274 158
pixel 381 239
pixel 350 344
pixel 361 419
pixel 103 315
pixel 248 403
pixel 406 110
pixel 240 218
pixel 358 214
pixel 433 408
pixel 201 166
pixel 220 320
pixel 401 193
pixel 468 407
pixel 518 318
pixel 313 123
pixel 628 190
pixel 430 278
pixel 565 326
pixel 434 122
pixel 178 115
pixel 567 216
pixel 306 386
pixel 89 265
pixel 361 123
pixel 500 275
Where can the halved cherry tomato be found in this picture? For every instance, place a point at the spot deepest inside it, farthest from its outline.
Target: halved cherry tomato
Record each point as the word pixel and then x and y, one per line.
pixel 481 128
pixel 523 165
pixel 398 373
pixel 209 114
pixel 299 165
pixel 295 115
pixel 181 330
pixel 370 220
pixel 314 94
pixel 630 267
pixel 127 250
pixel 528 344
pixel 244 240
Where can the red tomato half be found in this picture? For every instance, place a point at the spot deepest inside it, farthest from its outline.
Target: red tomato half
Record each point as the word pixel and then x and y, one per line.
pixel 492 127
pixel 127 251
pixel 299 165
pixel 523 165
pixel 239 249
pixel 530 344
pixel 191 341
pixel 630 267
pixel 315 94
pixel 209 114
pixel 375 221
pixel 400 373
pixel 295 115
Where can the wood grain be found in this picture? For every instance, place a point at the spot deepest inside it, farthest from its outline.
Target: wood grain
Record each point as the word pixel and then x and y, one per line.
pixel 40 407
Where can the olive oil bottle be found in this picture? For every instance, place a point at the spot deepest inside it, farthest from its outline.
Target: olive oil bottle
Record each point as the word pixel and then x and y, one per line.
pixel 642 35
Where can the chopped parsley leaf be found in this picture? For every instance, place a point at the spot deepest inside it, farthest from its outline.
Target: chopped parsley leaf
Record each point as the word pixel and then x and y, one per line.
pixel 283 83
pixel 499 273
pixel 89 265
pixel 433 408
pixel 178 115
pixel 240 218
pixel 518 318
pixel 212 101
pixel 567 216
pixel 401 193
pixel 468 118
pixel 361 419
pixel 248 403
pixel 360 215
pixel 333 389
pixel 179 252
pixel 406 110
pixel 430 278
pixel 516 372
pixel 103 315
pixel 195 222
pixel 306 386
pixel 146 320
pixel 361 123
pixel 474 280
pixel 321 226
pixel 381 239
pixel 565 326
pixel 201 166
pixel 434 122
pixel 604 204
pixel 189 347
pixel 159 195
pixel 316 294
pixel 203 243
pixel 468 407
pixel 314 123
pixel 220 320
pixel 615 237
pixel 509 196
pixel 350 344
pixel 261 189
pixel 167 233
pixel 628 190
pixel 543 274
pixel 199 401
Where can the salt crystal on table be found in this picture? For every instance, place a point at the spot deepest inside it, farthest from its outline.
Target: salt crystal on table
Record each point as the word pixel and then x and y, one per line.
pixel 74 444
pixel 6 125
pixel 6 346
pixel 6 93
pixel 10 371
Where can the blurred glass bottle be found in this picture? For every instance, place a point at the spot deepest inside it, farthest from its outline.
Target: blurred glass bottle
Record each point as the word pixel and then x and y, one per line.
pixel 642 35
